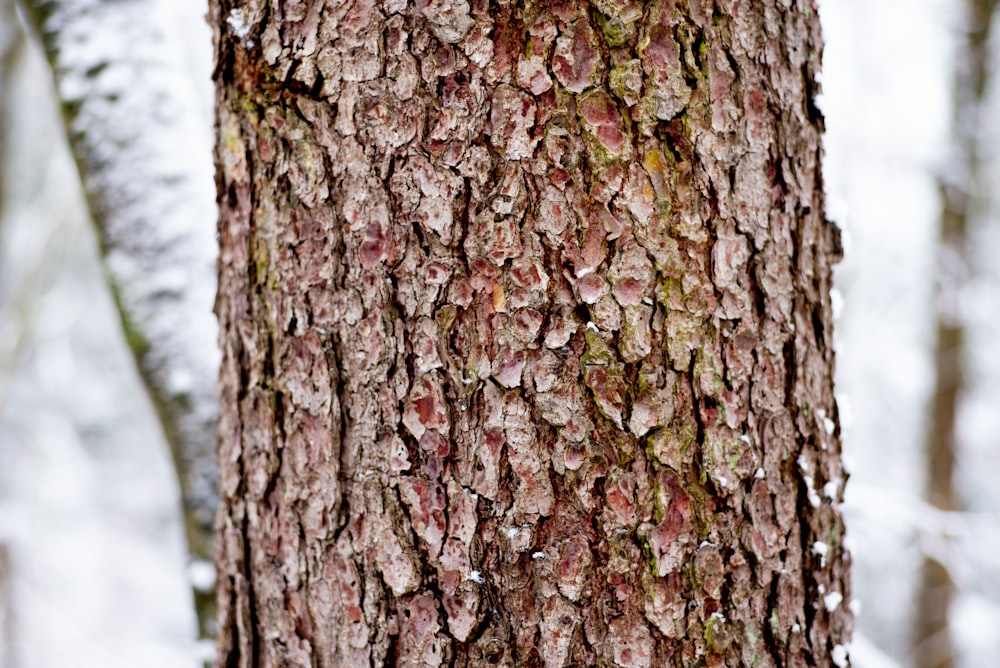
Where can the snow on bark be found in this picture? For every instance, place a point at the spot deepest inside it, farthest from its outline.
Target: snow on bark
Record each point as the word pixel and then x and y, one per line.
pixel 137 125
pixel 570 273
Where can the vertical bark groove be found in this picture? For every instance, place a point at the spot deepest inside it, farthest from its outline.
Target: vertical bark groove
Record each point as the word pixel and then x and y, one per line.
pixel 557 274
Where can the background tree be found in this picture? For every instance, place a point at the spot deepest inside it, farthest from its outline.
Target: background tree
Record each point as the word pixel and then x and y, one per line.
pixel 89 502
pixel 526 336
pixel 962 206
pixel 130 102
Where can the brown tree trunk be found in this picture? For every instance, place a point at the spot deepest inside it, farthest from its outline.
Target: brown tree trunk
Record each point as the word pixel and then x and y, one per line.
pixel 527 336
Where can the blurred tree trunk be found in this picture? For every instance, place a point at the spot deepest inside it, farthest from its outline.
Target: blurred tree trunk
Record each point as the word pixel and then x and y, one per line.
pixel 11 43
pixel 527 348
pixel 11 40
pixel 7 621
pixel 132 114
pixel 959 208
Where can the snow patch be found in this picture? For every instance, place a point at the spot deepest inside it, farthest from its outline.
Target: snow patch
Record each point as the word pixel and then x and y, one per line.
pixel 821 549
pixel 839 656
pixel 237 22
pixel 202 575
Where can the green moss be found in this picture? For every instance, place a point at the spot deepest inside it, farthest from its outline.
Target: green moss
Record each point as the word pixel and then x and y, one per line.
pixel 612 30
pixel 647 552
pixel 597 351
pixel 446 317
pixel 713 633
pixel 251 108
pixel 669 291
pixel 136 340
pixel 669 445
pixel 600 157
pixel 734 460
pixel 625 81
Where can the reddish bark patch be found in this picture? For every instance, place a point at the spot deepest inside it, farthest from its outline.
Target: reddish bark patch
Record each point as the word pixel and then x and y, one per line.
pixel 377 245
pixel 662 52
pixel 426 501
pixel 609 392
pixel 669 540
pixel 573 566
pixel 600 113
pixel 425 409
pixel 575 58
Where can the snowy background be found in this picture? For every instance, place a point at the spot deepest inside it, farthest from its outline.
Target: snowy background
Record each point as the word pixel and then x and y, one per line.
pixel 93 567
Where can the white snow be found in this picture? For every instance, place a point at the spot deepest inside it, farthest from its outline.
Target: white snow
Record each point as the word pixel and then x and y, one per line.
pixel 886 99
pixel 238 23
pixel 866 654
pixel 136 74
pixel 814 500
pixel 87 491
pixel 839 656
pixel 201 574
pixel 836 303
pixel 821 549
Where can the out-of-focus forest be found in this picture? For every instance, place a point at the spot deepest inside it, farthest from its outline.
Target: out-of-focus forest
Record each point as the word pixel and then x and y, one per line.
pixel 107 346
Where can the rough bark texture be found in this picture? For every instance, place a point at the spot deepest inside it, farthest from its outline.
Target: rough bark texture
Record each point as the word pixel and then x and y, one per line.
pixel 527 336
pixel 960 210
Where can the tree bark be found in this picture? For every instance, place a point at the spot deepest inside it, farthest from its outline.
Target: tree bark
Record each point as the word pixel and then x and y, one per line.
pixel 527 349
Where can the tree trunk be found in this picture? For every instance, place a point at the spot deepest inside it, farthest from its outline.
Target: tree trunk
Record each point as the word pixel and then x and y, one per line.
pixel 527 349
pixel 961 208
pixel 128 109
